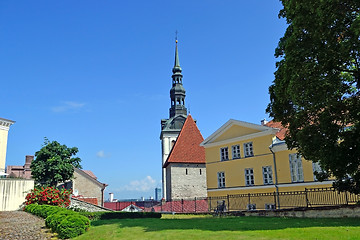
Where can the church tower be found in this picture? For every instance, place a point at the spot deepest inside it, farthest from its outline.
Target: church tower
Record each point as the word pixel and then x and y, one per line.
pixel 170 128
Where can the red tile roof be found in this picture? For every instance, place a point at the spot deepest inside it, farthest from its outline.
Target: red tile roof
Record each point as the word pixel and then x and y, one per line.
pixel 90 173
pixel 281 133
pixel 92 200
pixel 187 147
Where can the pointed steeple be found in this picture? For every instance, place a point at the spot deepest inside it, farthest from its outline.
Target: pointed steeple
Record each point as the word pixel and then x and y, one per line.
pixel 177 67
pixel 177 92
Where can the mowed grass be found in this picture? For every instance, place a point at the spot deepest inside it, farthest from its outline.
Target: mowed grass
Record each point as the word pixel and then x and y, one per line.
pixel 208 227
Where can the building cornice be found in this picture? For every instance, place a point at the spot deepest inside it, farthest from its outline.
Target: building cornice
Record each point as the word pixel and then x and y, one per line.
pixel 232 122
pixel 270 131
pixel 5 124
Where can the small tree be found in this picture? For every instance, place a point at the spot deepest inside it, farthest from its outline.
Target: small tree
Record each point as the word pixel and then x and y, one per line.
pixel 54 163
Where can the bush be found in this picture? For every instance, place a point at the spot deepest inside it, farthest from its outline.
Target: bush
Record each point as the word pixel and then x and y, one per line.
pixel 54 220
pixel 66 223
pixel 72 226
pixel 49 196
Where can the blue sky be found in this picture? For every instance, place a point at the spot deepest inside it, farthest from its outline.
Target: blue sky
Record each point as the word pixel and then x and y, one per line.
pixel 97 75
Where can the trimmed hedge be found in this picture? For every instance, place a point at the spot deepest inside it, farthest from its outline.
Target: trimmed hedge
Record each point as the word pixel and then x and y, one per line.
pixel 66 223
pixel 119 215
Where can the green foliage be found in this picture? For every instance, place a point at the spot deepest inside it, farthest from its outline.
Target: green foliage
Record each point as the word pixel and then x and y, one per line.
pixel 49 196
pixel 53 221
pixel 66 223
pixel 119 215
pixel 72 226
pixel 54 163
pixel 316 91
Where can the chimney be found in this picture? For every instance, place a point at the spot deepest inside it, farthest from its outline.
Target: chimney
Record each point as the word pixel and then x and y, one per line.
pixel 263 122
pixel 28 160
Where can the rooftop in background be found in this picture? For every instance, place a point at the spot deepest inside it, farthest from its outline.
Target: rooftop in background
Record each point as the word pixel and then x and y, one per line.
pixel 282 130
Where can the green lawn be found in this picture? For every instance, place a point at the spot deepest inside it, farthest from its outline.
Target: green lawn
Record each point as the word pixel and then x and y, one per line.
pixel 208 227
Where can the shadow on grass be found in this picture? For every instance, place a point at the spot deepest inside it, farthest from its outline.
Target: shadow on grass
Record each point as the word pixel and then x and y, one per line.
pixel 229 223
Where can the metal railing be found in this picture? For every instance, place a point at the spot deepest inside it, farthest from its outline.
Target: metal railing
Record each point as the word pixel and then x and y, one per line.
pixel 311 197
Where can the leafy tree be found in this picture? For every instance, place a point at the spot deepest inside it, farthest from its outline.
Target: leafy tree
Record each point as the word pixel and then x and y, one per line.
pixel 54 163
pixel 315 93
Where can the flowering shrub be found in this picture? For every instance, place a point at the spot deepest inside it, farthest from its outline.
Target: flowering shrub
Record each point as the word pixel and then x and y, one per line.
pixel 49 196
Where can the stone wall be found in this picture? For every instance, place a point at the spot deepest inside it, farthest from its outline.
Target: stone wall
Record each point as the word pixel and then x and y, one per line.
pixel 13 193
pixel 86 187
pixel 314 212
pixel 187 181
pixel 78 204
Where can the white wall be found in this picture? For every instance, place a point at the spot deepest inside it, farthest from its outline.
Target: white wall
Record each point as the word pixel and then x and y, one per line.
pixel 13 193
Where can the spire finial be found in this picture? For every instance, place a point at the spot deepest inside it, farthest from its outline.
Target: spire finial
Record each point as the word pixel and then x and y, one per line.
pixel 177 67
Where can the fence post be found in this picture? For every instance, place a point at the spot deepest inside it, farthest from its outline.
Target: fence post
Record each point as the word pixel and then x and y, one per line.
pixel 249 199
pixel 228 201
pixel 306 198
pixel 209 200
pixel 182 205
pixel 346 198
pixel 195 204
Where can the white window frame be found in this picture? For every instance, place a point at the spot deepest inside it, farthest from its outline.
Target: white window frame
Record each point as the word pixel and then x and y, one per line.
pixel 270 206
pixel 248 149
pixel 267 175
pixel 249 177
pixel 236 151
pixel 251 207
pixel 221 179
pixel 224 154
pixel 296 169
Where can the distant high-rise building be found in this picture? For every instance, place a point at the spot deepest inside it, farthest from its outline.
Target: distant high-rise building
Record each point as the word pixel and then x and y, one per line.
pixel 157 194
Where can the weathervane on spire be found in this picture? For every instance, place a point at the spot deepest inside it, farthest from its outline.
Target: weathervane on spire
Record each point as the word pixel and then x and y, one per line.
pixel 176 33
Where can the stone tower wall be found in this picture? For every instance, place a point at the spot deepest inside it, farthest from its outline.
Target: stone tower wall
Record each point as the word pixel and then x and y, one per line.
pixel 186 181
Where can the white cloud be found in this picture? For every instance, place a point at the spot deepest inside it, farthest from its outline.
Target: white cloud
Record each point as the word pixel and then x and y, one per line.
pixel 102 154
pixel 67 106
pixel 143 185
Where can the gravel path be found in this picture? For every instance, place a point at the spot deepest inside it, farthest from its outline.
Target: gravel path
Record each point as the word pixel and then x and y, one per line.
pixel 16 225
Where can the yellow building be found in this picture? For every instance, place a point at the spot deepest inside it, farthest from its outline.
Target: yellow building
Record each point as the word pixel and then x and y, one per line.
pixel 243 158
pixel 4 129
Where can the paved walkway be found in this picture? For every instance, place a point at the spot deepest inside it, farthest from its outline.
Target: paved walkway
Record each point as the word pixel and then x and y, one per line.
pixel 19 225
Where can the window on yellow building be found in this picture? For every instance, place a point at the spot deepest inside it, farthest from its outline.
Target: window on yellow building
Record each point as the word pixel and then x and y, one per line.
pixel 224 154
pixel 236 151
pixel 296 169
pixel 221 179
pixel 316 168
pixel 249 176
pixel 267 175
pixel 248 149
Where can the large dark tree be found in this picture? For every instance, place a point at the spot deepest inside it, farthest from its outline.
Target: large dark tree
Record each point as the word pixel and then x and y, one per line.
pixel 54 163
pixel 315 93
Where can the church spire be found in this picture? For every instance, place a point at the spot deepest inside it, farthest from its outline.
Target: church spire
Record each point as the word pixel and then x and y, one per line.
pixel 177 92
pixel 177 67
